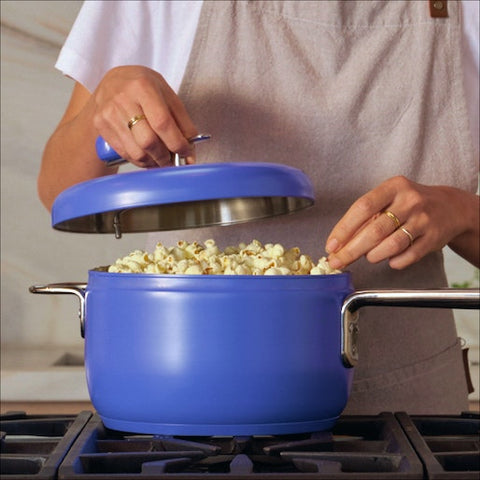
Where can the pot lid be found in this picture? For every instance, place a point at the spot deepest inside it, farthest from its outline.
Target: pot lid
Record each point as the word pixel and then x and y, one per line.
pixel 181 197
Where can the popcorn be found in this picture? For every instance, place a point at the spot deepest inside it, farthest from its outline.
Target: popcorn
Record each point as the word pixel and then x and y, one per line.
pixel 243 259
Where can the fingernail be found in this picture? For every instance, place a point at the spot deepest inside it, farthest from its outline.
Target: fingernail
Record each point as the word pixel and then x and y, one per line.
pixel 332 245
pixel 334 262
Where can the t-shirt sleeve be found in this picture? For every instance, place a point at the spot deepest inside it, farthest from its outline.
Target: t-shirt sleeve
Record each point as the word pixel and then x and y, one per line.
pixel 106 34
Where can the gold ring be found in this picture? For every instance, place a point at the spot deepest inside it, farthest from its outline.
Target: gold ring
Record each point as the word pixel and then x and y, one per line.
pixel 393 218
pixel 135 120
pixel 408 234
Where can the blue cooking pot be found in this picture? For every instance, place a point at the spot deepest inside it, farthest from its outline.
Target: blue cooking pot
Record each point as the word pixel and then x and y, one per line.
pixel 225 355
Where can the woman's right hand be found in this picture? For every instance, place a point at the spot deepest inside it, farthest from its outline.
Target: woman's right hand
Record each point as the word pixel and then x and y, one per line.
pixel 124 92
pixel 164 126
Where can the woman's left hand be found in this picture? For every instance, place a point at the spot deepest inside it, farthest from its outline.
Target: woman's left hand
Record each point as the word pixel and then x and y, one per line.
pixel 403 221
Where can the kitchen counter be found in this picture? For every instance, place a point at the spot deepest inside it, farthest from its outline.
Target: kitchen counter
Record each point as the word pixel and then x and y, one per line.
pixel 46 408
pixel 65 408
pixel 54 374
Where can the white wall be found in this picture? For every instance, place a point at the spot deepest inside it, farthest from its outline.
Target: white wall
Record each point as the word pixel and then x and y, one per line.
pixel 33 96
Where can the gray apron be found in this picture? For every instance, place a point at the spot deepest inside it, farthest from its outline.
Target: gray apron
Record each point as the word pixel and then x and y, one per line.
pixel 352 93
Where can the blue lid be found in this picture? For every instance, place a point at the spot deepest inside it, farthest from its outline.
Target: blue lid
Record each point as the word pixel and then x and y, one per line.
pixel 173 198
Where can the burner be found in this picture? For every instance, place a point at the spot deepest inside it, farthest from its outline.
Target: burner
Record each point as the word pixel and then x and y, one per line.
pixel 448 445
pixel 33 446
pixel 357 447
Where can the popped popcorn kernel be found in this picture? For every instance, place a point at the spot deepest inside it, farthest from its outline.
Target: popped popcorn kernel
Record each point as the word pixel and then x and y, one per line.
pixel 207 259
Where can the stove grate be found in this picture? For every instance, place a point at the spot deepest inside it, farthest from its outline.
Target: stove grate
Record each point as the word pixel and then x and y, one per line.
pixel 449 446
pixel 384 446
pixel 32 447
pixel 371 447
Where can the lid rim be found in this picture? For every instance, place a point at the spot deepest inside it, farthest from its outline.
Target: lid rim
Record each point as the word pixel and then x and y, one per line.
pixel 171 186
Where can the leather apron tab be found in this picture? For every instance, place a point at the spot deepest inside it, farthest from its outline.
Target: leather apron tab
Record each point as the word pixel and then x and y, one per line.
pixel 438 8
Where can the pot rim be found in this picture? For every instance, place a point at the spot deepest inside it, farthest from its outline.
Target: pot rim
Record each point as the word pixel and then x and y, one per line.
pixel 101 271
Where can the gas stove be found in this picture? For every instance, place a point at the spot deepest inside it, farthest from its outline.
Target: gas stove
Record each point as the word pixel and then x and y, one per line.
pixel 385 446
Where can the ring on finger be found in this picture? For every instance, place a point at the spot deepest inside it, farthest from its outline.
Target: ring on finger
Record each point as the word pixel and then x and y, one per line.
pixel 135 119
pixel 393 218
pixel 408 234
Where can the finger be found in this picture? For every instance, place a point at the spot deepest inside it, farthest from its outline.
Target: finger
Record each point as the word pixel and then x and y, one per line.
pixel 169 120
pixel 361 211
pixel 135 151
pixel 181 115
pixel 152 150
pixel 420 247
pixel 368 238
pixel 126 149
pixel 392 246
pixel 143 146
pixel 112 124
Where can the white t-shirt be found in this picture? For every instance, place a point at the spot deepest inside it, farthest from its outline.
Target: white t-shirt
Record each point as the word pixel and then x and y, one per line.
pixel 160 35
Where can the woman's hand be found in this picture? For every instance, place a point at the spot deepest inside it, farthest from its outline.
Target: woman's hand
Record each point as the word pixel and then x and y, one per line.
pixel 403 221
pixel 162 124
pixel 124 93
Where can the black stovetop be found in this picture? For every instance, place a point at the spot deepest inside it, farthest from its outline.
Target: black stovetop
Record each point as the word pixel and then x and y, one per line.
pixel 385 446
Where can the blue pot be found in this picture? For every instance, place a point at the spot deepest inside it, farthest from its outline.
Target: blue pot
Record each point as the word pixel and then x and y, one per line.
pixel 216 355
pixel 226 355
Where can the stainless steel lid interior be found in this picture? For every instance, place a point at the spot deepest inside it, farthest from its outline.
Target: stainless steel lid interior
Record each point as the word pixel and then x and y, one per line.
pixel 182 197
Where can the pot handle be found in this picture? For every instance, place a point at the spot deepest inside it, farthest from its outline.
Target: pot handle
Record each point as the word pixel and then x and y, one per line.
pixel 73 288
pixel 468 298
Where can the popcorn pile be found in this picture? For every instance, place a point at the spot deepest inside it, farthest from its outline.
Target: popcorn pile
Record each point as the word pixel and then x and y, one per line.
pixel 196 259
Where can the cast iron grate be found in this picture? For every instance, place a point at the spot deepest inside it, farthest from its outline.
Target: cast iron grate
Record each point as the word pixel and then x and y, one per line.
pixel 33 446
pixel 449 446
pixel 357 448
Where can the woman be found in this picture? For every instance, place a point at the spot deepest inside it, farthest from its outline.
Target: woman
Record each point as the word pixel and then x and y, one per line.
pixel 366 97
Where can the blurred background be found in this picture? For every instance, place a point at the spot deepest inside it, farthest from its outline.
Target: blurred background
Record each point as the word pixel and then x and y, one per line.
pixel 38 331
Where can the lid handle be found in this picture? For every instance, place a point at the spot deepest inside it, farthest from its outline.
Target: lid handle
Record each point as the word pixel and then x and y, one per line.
pixel 108 155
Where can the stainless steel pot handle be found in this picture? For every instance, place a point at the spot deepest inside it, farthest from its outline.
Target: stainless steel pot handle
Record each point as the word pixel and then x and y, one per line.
pixel 73 288
pixel 439 298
